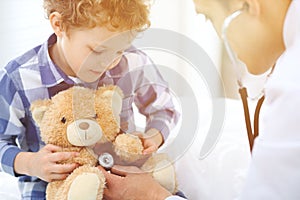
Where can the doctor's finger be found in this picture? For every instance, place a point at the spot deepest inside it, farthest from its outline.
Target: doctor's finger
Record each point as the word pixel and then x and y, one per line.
pixel 107 194
pixel 125 170
pixel 110 178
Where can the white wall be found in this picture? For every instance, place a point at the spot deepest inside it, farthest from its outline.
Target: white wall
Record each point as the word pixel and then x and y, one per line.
pixel 23 26
pixel 180 16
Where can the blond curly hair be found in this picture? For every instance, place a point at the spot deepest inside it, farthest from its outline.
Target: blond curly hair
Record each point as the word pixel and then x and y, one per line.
pixel 116 15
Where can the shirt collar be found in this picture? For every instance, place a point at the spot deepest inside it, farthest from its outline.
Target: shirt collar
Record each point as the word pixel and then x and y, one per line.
pixel 51 74
pixel 291 29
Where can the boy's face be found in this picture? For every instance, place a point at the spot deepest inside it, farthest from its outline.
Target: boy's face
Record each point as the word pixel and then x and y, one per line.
pixel 88 53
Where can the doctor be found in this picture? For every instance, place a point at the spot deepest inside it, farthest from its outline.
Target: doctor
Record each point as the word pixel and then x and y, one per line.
pixel 264 34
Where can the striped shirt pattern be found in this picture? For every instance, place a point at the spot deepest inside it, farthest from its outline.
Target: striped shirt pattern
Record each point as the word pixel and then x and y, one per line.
pixel 33 76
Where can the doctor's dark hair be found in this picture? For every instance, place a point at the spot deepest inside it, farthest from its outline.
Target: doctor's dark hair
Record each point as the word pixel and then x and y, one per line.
pixel 116 15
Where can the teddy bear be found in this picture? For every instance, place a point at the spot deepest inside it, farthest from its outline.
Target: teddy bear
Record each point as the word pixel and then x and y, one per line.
pixel 86 121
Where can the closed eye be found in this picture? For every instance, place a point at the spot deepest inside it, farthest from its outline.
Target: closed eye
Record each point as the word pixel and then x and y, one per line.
pixel 97 52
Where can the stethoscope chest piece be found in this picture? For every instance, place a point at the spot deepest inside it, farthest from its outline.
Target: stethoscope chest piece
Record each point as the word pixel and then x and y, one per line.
pixel 106 161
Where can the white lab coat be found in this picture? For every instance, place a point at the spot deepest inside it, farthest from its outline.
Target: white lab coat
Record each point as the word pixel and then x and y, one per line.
pixel 275 167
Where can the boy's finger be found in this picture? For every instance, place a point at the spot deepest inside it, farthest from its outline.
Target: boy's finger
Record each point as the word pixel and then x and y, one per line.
pixel 138 134
pixel 52 148
pixel 149 150
pixel 57 177
pixel 61 156
pixel 64 168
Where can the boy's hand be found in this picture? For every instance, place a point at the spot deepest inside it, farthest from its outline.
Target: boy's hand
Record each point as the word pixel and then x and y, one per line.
pixel 44 163
pixel 152 140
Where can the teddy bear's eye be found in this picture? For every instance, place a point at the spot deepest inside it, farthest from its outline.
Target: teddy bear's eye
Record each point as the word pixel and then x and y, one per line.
pixel 63 120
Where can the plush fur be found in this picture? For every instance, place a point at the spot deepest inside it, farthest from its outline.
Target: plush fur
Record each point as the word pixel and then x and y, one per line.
pixel 78 118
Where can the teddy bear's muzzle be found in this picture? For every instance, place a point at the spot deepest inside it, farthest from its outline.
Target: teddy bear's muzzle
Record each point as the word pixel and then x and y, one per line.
pixel 84 132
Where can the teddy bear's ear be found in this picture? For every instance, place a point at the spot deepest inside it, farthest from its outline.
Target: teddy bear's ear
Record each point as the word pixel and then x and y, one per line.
pixel 38 109
pixel 115 94
pixel 117 97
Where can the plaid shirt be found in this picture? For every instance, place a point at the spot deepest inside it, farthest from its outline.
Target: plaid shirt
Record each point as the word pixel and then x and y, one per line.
pixel 34 76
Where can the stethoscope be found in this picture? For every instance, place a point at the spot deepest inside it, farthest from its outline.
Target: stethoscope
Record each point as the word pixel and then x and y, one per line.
pixel 242 89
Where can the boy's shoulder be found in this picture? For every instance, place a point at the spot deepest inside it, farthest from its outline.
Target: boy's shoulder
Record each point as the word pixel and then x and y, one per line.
pixel 137 56
pixel 23 72
pixel 135 50
pixel 33 58
pixel 27 59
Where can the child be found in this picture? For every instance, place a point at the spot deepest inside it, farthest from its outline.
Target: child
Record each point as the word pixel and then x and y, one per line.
pixel 264 35
pixel 90 46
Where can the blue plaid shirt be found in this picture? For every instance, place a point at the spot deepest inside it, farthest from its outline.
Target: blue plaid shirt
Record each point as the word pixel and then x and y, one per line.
pixel 32 75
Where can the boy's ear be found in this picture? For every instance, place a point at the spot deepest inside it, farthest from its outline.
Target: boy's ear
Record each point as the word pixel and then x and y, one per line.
pixel 55 21
pixel 38 109
pixel 253 7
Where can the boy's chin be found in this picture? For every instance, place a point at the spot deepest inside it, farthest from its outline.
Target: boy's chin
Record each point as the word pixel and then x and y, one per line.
pixel 90 80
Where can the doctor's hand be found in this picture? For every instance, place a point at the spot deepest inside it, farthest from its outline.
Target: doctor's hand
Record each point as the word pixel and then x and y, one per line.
pixel 128 182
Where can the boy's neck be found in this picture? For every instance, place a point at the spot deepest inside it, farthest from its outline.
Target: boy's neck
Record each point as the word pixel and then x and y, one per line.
pixel 59 61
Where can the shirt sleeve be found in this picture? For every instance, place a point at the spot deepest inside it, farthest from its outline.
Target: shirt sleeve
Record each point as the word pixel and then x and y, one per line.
pixel 154 99
pixel 11 127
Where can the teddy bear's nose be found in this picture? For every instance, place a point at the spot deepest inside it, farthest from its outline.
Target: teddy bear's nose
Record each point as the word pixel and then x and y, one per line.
pixel 84 125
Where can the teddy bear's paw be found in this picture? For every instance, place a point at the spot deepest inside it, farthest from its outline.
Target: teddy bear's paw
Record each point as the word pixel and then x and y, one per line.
pixel 128 147
pixel 162 171
pixel 86 183
pixel 84 186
